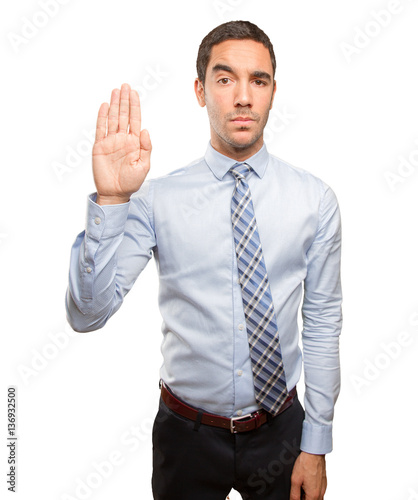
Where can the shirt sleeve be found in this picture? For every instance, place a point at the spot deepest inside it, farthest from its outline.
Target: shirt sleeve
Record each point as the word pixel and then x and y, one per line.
pixel 107 257
pixel 322 320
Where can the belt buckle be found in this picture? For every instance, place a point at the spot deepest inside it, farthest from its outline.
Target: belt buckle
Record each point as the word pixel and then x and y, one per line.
pixel 242 417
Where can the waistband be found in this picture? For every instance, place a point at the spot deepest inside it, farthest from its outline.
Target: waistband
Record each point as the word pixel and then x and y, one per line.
pixel 239 424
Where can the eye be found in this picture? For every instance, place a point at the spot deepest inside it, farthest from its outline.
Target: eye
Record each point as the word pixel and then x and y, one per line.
pixel 223 81
pixel 259 83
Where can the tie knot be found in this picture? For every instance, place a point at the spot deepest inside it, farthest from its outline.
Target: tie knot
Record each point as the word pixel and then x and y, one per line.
pixel 240 170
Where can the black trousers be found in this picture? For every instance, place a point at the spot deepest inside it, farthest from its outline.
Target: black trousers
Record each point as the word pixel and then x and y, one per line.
pixel 204 462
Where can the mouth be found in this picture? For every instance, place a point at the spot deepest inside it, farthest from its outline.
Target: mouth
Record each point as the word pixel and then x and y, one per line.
pixel 242 120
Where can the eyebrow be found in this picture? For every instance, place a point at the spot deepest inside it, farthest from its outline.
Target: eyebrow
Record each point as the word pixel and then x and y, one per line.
pixel 262 74
pixel 228 69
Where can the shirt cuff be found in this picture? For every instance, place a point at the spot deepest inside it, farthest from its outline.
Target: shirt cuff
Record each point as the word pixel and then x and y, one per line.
pixel 105 221
pixel 316 439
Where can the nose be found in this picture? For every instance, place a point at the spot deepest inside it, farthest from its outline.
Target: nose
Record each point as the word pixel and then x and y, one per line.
pixel 243 94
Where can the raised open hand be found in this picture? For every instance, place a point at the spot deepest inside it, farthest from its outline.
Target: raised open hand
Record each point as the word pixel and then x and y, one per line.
pixel 121 154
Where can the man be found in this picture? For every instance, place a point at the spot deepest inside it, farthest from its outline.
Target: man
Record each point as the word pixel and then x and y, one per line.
pixel 231 274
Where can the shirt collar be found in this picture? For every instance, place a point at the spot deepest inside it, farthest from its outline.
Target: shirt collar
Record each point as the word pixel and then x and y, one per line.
pixel 220 164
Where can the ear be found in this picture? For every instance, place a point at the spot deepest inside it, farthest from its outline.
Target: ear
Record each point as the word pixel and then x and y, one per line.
pixel 200 92
pixel 274 93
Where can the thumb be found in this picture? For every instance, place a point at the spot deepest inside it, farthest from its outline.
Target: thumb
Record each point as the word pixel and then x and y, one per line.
pixel 146 146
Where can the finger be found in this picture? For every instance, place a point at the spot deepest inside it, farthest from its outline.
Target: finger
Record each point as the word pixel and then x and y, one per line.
pixel 101 122
pixel 295 493
pixel 124 108
pixel 134 114
pixel 113 117
pixel 295 490
pixel 146 147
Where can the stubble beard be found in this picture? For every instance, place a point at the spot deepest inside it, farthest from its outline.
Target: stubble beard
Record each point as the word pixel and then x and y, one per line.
pixel 220 125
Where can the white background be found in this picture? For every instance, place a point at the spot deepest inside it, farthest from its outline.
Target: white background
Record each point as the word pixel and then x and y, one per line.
pixel 346 109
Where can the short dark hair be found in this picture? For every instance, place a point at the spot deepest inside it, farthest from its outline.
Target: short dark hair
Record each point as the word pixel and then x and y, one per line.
pixel 232 30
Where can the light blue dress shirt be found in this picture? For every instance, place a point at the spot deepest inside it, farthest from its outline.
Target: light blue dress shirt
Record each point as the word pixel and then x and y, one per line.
pixel 184 220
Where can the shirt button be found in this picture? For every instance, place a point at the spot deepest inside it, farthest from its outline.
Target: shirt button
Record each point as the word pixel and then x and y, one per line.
pixel 89 269
pixel 239 372
pixel 239 413
pixel 241 327
pixel 97 220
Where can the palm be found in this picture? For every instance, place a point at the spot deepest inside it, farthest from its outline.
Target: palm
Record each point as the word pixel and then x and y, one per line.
pixel 121 158
pixel 117 166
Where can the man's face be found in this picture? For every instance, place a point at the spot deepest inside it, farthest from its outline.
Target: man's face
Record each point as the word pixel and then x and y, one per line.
pixel 238 93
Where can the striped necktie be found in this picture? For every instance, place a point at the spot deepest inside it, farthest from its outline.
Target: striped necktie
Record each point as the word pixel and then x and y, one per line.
pixel 266 358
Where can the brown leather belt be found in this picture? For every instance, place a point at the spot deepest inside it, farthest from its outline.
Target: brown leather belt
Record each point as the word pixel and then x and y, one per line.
pixel 235 424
